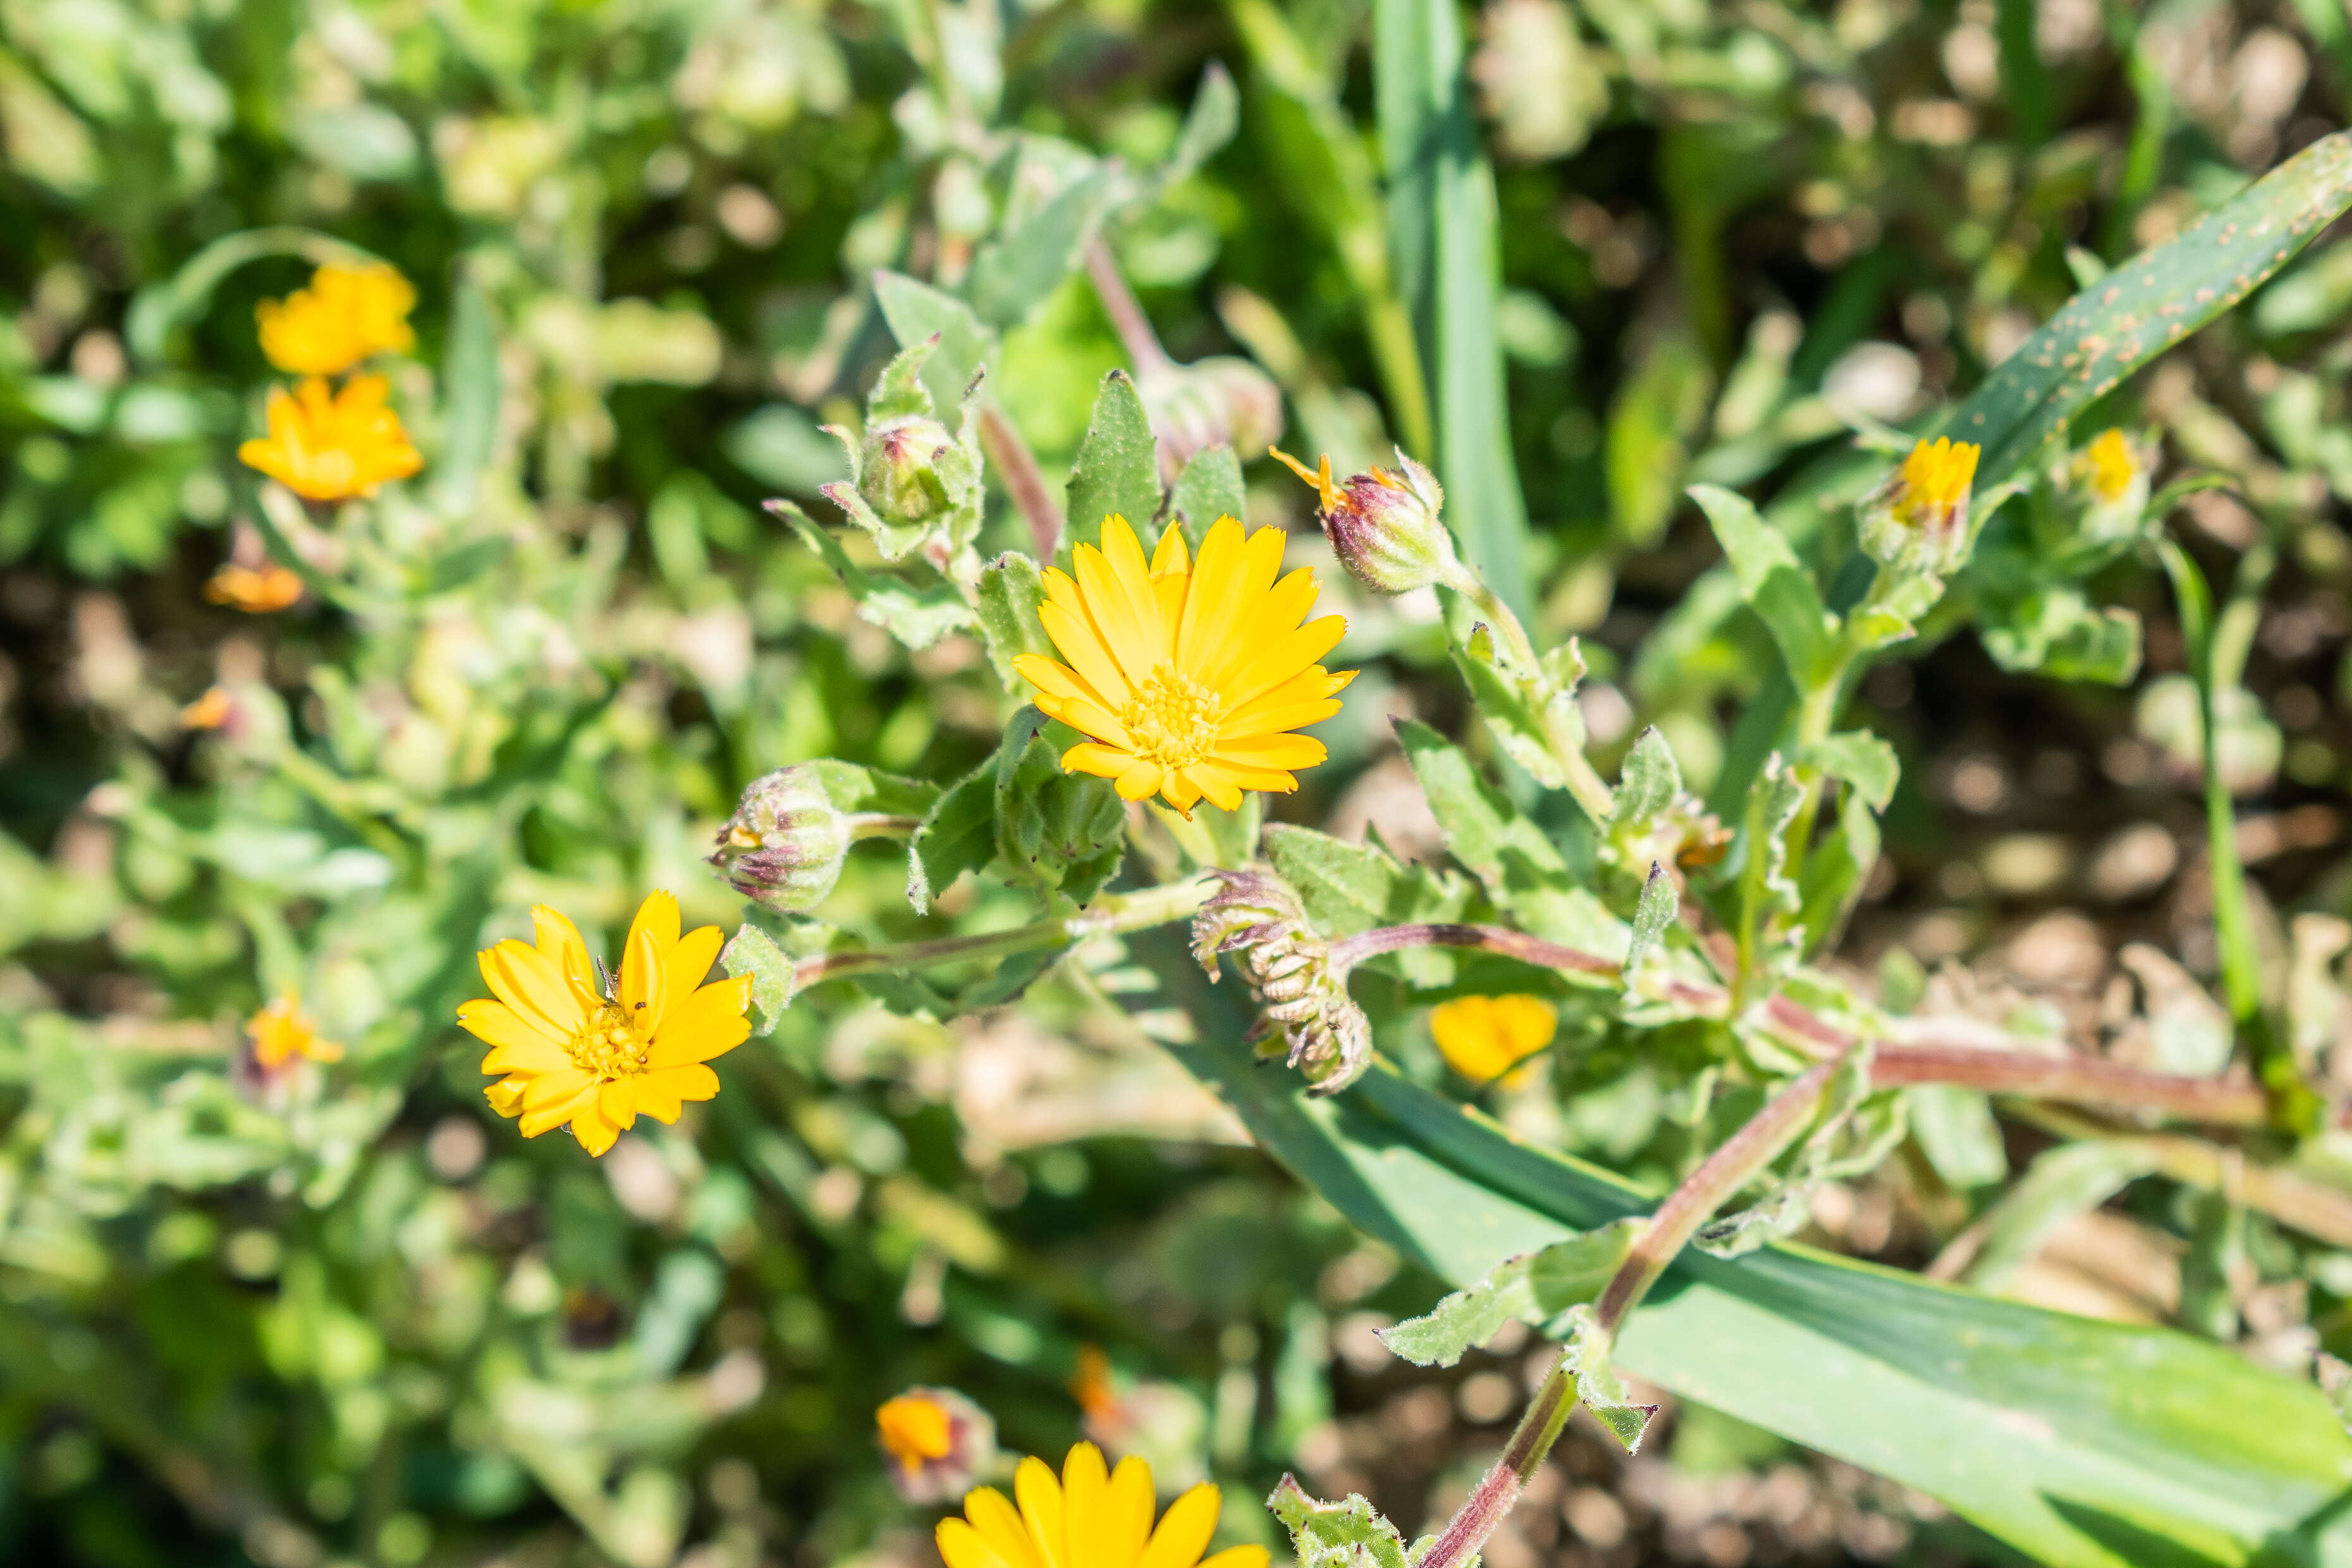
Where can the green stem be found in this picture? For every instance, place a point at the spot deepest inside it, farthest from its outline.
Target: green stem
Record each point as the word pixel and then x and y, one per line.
pixel 879 825
pixel 1116 913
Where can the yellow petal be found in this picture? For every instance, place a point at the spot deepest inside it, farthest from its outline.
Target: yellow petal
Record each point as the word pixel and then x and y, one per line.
pixel 1285 751
pixel 1001 1526
pixel 1140 779
pixel 537 1120
pixel 1114 616
pixel 687 966
pixel 1127 1513
pixel 708 1023
pixel 1170 555
pixel 657 918
pixel 1040 1493
pixel 527 982
pixel 692 1081
pixel 962 1546
pixel 1184 1531
pixel 495 1024
pixel 548 1088
pixel 1216 782
pixel 1282 658
pixel 596 1132
pixel 560 942
pixel 1085 1501
pixel 1103 762
pixel 1238 1557
pixel 617 1101
pixel 1077 640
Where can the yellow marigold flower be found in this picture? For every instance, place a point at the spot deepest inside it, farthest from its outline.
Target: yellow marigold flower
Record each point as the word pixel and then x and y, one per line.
pixel 256 590
pixel 327 446
pixel 1092 1517
pixel 2108 465
pixel 568 1051
pixel 282 1031
pixel 209 711
pixel 345 315
pixel 1935 481
pixel 915 1429
pixel 1483 1037
pixel 1187 678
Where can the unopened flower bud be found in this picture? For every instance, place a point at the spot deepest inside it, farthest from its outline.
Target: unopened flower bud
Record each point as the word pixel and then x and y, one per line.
pixel 785 843
pixel 896 473
pixel 1220 399
pixel 1387 528
pixel 1305 1015
pixel 938 1442
pixel 1918 518
pixel 2105 486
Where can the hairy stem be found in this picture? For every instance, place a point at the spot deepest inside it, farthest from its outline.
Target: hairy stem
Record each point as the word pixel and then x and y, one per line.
pixel 879 825
pixel 1116 913
pixel 1735 1163
pixel 1591 792
pixel 1127 317
pixel 1917 1050
pixel 1024 480
pixel 1539 1428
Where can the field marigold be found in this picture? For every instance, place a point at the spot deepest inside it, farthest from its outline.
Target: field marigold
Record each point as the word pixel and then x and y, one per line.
pixel 570 1051
pixel 332 446
pixel 345 315
pixel 1091 1517
pixel 1187 677
pixel 1483 1037
pixel 282 1031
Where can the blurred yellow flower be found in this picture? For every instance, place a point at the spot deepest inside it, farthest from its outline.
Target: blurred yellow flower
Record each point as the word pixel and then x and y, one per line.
pixel 209 711
pixel 2108 465
pixel 916 1428
pixel 256 590
pixel 1187 679
pixel 1935 481
pixel 1090 1517
pixel 282 1031
pixel 1483 1037
pixel 326 446
pixel 345 315
pixel 569 1052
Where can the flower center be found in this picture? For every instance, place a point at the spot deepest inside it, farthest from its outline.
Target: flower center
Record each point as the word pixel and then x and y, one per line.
pixel 1172 719
pixel 607 1046
pixel 1936 478
pixel 2109 465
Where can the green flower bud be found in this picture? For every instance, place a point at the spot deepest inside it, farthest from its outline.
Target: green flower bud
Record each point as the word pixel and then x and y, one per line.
pixel 1216 400
pixel 785 843
pixel 896 472
pixel 1305 1015
pixel 1387 529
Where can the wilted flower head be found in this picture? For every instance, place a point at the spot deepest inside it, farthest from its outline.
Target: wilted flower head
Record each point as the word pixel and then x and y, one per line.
pixel 938 1443
pixel 1483 1037
pixel 897 474
pixel 1089 1517
pixel 1306 1015
pixel 1186 678
pixel 1386 527
pixel 282 1031
pixel 1918 515
pixel 326 446
pixel 1213 401
pixel 785 843
pixel 572 1047
pixel 348 313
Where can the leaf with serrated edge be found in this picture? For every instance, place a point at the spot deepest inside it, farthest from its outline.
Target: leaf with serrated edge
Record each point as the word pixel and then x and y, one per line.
pixel 1534 1287
pixel 901 391
pixel 1351 888
pixel 916 616
pixel 2147 304
pixel 753 952
pixel 1590 1358
pixel 959 835
pixel 1350 1535
pixel 1650 780
pixel 1860 759
pixel 1118 467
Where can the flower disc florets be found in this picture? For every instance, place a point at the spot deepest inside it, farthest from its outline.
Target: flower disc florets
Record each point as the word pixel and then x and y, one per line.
pixel 1386 527
pixel 2106 485
pixel 1918 515
pixel 785 843
pixel 1306 1015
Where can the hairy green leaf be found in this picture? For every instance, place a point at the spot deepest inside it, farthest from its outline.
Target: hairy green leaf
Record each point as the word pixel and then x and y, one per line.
pixel 959 835
pixel 917 615
pixel 753 951
pixel 1013 273
pixel 1350 1535
pixel 1010 589
pixel 1534 1287
pixel 1117 468
pixel 915 311
pixel 1209 487
pixel 1774 582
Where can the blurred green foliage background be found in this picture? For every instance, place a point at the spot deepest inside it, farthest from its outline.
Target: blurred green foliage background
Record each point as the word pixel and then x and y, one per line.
pixel 350 1317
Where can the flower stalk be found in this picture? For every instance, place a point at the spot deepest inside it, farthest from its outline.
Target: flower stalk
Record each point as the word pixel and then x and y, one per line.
pixel 1113 914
